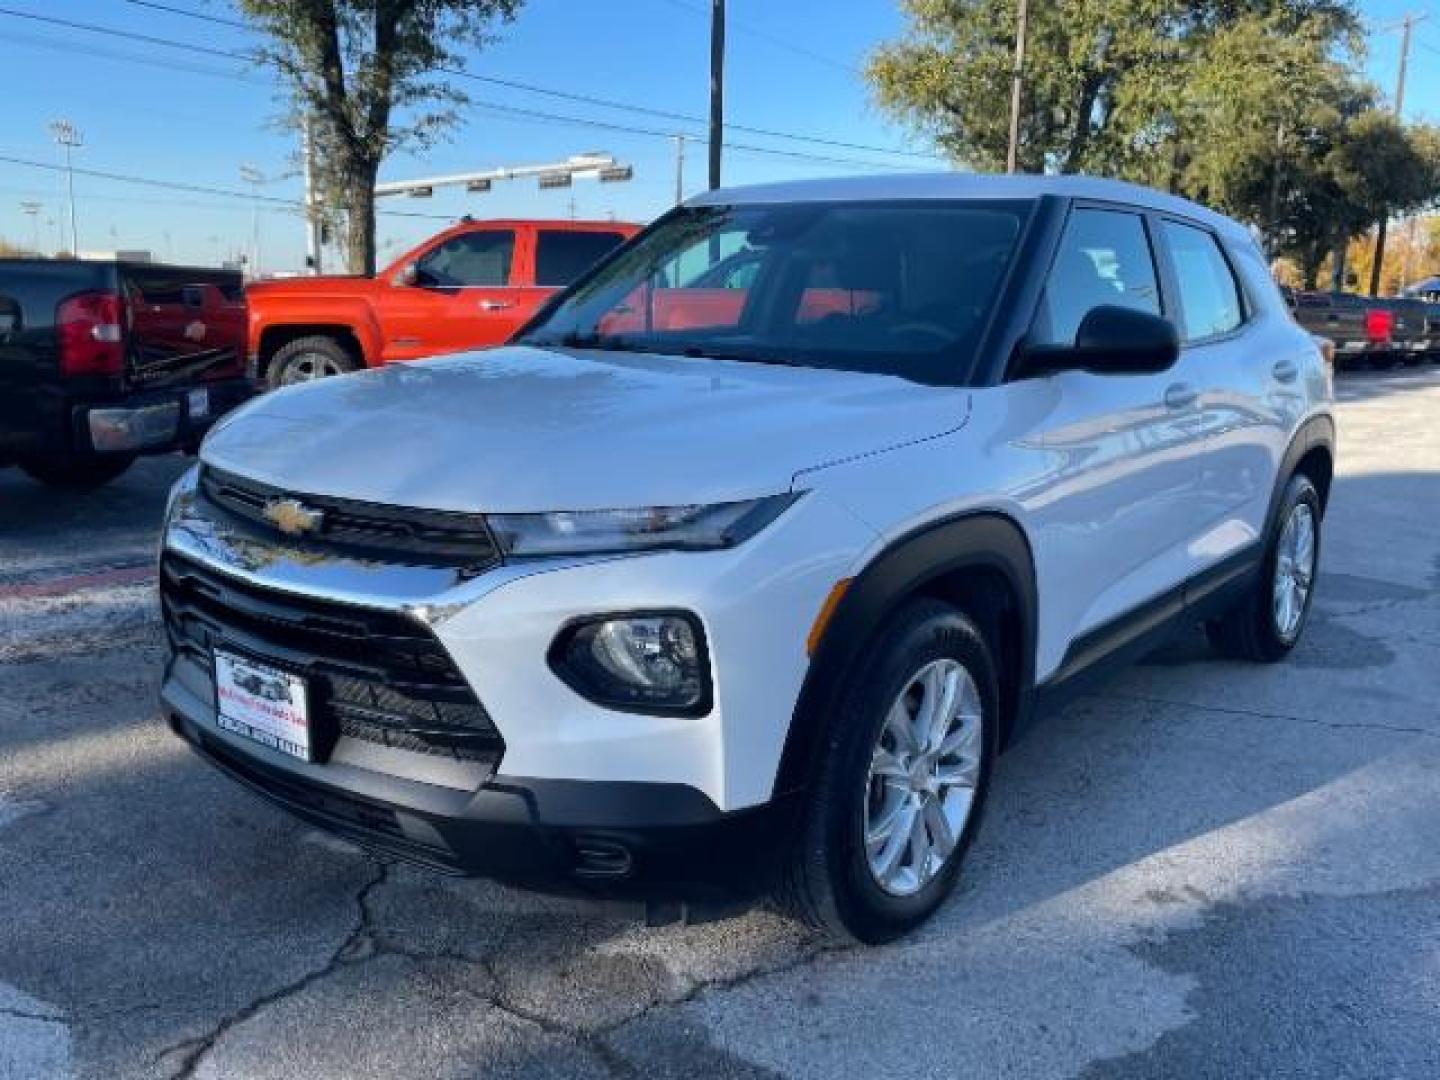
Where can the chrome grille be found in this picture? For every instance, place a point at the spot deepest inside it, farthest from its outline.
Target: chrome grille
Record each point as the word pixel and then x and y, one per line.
pixel 396 533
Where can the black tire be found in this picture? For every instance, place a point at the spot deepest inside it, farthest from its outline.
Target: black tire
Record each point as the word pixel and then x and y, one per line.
pixel 1382 361
pixel 308 358
pixel 77 473
pixel 827 882
pixel 1250 630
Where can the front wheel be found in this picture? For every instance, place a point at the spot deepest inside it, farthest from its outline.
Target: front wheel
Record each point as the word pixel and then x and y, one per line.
pixel 1267 622
pixel 906 769
pixel 77 473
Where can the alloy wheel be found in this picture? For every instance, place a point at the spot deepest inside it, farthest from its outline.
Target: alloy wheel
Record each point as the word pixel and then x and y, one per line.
pixel 924 769
pixel 1294 570
pixel 310 366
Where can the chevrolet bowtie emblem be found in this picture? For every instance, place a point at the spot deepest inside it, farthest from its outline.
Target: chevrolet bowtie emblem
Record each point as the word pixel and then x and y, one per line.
pixel 292 517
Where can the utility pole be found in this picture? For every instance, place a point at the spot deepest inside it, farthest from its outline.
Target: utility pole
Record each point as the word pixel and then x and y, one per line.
pixel 312 208
pixel 68 136
pixel 679 169
pixel 1017 83
pixel 32 210
pixel 717 88
pixel 1407 24
pixel 254 177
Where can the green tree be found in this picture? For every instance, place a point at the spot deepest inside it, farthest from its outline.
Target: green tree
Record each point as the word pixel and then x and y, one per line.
pixel 369 76
pixel 1114 89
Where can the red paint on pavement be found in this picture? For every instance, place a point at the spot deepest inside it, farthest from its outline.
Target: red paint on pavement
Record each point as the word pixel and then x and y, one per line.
pixel 73 583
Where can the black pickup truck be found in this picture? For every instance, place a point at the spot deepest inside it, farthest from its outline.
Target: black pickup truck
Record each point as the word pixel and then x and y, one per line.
pixel 104 361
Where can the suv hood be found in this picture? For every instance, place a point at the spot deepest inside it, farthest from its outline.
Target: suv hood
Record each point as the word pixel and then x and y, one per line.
pixel 525 429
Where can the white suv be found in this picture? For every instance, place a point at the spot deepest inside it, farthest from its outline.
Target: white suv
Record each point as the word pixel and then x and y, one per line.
pixel 736 570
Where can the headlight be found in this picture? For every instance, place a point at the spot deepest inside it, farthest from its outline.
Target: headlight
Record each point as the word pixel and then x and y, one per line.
pixel 589 532
pixel 645 662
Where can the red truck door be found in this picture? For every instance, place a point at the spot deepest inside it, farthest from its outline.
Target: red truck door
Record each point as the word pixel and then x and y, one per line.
pixel 461 298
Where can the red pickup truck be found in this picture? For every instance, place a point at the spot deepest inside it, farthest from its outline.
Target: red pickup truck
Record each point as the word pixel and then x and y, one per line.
pixel 469 287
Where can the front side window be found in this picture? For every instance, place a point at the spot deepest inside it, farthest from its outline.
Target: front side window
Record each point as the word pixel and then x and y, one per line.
pixel 468 260
pixel 1209 298
pixel 893 288
pixel 1104 259
pixel 562 256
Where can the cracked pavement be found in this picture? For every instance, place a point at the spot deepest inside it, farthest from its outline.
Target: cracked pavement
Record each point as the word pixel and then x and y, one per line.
pixel 1203 869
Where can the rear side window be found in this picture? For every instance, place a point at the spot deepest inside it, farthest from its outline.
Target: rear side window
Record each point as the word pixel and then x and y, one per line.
pixel 470 259
pixel 561 257
pixel 1209 298
pixel 1104 258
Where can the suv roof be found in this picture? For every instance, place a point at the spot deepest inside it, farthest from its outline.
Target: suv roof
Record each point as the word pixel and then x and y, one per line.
pixel 969 186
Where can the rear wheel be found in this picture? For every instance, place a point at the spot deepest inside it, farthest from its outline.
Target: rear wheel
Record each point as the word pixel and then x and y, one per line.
pixel 905 773
pixel 309 358
pixel 1265 625
pixel 77 472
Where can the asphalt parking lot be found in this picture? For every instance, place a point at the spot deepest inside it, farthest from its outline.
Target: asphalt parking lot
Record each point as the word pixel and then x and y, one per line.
pixel 1203 870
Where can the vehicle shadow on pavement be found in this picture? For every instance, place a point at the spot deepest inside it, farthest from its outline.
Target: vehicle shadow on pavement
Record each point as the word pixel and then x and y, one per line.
pixel 169 920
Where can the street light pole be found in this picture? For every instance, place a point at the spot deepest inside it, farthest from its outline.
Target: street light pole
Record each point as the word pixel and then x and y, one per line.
pixel 679 169
pixel 1017 82
pixel 32 210
pixel 717 88
pixel 68 136
pixel 254 177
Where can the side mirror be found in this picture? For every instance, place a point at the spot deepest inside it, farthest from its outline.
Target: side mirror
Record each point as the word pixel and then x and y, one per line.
pixel 409 275
pixel 1112 340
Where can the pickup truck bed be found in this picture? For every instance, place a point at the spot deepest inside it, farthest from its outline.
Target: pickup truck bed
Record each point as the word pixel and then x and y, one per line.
pixel 102 361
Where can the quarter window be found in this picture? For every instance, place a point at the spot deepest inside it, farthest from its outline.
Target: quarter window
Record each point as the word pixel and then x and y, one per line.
pixel 1209 298
pixel 470 259
pixel 561 257
pixel 1104 259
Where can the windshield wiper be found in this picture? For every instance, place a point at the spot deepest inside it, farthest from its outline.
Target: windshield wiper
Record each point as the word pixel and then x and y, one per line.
pixel 702 352
pixel 584 339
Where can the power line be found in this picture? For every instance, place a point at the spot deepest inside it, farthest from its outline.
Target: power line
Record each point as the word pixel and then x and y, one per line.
pixel 535 114
pixel 198 189
pixel 765 35
pixel 492 80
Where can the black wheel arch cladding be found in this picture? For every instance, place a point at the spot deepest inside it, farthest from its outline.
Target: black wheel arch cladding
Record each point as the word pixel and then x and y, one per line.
pixel 918 564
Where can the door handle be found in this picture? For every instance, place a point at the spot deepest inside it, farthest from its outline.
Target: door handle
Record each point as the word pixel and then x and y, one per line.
pixel 1285 371
pixel 1180 396
pixel 495 305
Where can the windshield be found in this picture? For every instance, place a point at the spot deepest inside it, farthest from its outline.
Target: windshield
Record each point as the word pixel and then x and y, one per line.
pixel 900 289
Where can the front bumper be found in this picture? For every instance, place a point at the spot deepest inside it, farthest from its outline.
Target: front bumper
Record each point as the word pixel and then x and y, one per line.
pixel 576 795
pixel 609 838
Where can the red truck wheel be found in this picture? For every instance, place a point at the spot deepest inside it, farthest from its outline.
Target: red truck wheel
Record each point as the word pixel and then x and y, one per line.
pixel 308 358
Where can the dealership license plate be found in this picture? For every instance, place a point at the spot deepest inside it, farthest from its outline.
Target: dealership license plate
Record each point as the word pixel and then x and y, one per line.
pixel 262 703
pixel 197 402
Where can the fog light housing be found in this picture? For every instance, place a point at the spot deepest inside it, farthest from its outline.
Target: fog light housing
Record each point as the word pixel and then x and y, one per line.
pixel 645 662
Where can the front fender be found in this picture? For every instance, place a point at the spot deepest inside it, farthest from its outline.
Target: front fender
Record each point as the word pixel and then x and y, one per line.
pixel 983 540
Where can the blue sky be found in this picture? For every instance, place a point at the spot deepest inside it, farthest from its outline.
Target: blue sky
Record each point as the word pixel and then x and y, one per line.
pixel 152 111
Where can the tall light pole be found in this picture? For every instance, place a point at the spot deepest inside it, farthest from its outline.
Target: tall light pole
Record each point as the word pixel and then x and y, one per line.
pixel 254 177
pixel 32 210
pixel 1017 83
pixel 68 136
pixel 717 88
pixel 313 230
pixel 679 169
pixel 1407 24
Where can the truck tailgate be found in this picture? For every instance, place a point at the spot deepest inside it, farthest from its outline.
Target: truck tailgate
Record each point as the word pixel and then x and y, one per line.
pixel 186 324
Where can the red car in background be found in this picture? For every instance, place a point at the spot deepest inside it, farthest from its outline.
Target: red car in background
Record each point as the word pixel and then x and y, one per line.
pixel 469 287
